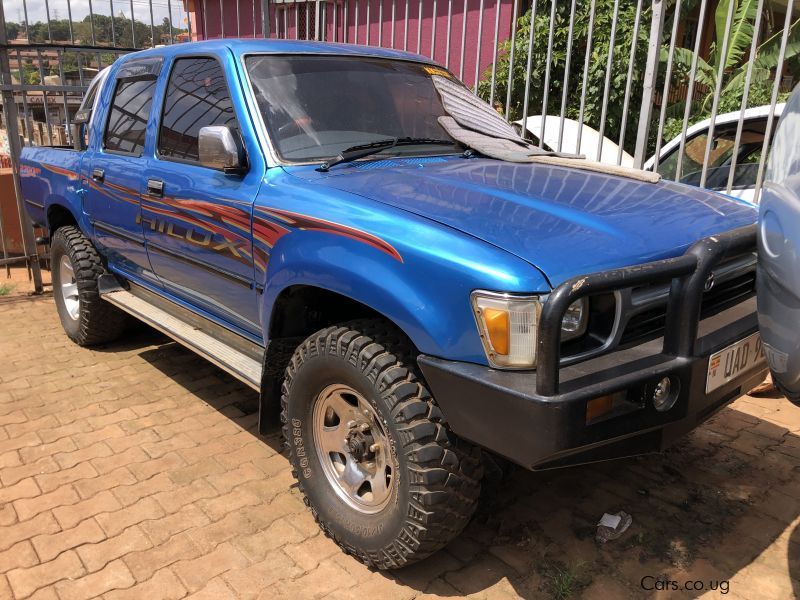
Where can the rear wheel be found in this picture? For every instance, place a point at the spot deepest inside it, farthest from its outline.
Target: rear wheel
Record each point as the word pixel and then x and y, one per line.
pixel 87 319
pixel 374 460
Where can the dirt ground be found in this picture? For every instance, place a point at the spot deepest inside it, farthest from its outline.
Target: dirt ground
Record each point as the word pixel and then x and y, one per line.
pixel 134 470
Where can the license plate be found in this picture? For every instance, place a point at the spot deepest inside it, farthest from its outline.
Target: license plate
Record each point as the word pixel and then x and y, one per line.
pixel 736 359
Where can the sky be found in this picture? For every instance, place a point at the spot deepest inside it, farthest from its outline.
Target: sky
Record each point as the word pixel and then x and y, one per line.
pixel 15 10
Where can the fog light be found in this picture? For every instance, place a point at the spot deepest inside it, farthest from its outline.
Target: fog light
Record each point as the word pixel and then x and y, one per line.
pixel 663 396
pixel 598 407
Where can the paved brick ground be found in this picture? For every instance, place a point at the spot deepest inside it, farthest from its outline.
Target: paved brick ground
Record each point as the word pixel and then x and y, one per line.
pixel 134 471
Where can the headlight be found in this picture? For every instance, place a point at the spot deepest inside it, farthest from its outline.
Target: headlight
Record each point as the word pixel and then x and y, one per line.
pixel 573 325
pixel 508 326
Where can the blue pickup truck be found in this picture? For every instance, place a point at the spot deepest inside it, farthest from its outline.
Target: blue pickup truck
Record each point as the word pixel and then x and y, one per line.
pixel 409 308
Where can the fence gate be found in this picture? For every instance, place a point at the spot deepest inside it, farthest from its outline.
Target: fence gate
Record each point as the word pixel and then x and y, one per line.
pixel 614 80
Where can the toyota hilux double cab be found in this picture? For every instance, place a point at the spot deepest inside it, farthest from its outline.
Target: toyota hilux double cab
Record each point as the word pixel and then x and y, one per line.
pixel 299 214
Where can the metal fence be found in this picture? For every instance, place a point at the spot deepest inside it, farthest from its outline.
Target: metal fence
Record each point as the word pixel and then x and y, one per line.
pixel 615 80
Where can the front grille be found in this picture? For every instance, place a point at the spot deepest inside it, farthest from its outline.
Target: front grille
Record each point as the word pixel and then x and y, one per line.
pixel 650 323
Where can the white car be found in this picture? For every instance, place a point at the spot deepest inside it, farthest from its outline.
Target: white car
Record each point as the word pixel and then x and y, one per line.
pixel 590 139
pixel 748 154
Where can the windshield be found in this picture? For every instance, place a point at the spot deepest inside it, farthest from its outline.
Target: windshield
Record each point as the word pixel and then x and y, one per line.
pixel 317 106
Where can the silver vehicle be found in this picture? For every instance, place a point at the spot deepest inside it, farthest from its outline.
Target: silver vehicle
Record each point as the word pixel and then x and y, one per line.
pixel 778 280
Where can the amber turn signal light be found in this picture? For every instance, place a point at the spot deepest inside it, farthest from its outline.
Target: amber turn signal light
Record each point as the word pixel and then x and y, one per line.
pixel 497 328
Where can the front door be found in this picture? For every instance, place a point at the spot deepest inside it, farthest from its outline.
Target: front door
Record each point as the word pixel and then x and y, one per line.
pixel 197 220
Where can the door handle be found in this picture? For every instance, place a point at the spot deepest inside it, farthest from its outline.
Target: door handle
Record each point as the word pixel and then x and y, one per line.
pixel 155 187
pixel 98 175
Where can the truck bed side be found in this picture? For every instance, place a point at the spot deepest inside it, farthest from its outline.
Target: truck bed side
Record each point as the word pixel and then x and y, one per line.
pixel 51 177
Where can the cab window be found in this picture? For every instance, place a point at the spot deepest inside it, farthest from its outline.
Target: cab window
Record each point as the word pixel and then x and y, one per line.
pixel 197 96
pixel 127 119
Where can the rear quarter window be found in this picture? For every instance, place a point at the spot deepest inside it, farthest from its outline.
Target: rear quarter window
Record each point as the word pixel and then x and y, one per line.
pixel 127 119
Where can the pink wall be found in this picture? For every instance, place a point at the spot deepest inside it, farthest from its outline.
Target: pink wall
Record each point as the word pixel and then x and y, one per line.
pixel 380 33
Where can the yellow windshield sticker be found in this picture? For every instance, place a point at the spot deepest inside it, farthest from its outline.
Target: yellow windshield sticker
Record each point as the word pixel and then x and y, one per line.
pixel 438 71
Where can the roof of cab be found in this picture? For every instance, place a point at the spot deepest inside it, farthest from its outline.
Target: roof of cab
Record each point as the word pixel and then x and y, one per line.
pixel 249 46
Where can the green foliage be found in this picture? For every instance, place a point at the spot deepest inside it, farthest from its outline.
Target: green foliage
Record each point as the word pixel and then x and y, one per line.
pixel 734 61
pixel 595 82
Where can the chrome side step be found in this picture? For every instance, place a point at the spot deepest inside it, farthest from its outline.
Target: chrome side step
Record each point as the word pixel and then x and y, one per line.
pixel 242 366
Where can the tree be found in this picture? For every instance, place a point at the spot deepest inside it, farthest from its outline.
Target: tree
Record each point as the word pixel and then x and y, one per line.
pixel 734 61
pixel 595 83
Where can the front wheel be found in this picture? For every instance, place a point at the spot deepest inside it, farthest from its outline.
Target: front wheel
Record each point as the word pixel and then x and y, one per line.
pixel 374 460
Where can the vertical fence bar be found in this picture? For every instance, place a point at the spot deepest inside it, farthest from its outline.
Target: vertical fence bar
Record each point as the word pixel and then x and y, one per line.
pixel 513 41
pixel 549 60
pixel 650 78
pixel 12 128
pixel 775 89
pixel 405 27
pixel 667 77
pixel 479 46
pixel 169 19
pixel 419 26
pixel 204 8
pixel 607 85
pixel 335 21
pixel 238 21
pixel 433 30
pixel 463 40
pixel 690 93
pixel 69 16
pixel 380 23
pixel 585 80
pixel 449 30
pixel 368 21
pixel 628 81
pixel 296 22
pixel 565 90
pixel 113 29
pixel 355 31
pixel 345 24
pixel 723 53
pixel 528 67
pixel 44 97
pixel 152 27
pixel 47 14
pixel 91 21
pixel 394 22
pixel 254 18
pixel 494 58
pixel 745 95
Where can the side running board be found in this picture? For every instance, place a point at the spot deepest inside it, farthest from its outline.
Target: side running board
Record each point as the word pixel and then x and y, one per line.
pixel 242 365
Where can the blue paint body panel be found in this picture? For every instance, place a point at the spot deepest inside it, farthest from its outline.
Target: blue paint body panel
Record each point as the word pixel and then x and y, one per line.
pixel 411 238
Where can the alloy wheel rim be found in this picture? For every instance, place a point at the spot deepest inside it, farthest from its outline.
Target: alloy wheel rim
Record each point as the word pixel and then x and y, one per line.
pixel 69 287
pixel 353 448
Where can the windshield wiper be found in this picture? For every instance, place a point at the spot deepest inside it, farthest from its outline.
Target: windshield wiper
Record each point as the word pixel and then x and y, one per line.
pixel 355 152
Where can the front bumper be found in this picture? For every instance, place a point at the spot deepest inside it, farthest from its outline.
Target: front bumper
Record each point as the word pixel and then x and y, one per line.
pixel 539 419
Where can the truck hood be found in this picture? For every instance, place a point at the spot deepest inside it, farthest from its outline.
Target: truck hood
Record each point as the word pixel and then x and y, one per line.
pixel 565 222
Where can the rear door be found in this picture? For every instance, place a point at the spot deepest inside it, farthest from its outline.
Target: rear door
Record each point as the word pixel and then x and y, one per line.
pixel 113 166
pixel 197 220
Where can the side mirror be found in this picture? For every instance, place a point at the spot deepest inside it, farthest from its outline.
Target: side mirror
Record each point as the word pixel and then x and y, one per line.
pixel 79 124
pixel 218 148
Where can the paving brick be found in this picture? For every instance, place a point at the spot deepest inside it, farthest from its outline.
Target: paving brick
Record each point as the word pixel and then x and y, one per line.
pixel 309 553
pixel 114 522
pixel 189 517
pixel 50 546
pixel 84 440
pixel 250 581
pixel 116 575
pixel 87 488
pixel 25 581
pixel 7 515
pixel 254 451
pixel 70 459
pixel 163 585
pixel 178 442
pixel 26 488
pixel 40 524
pixel 256 546
pixel 203 468
pixel 51 481
pixel 218 507
pixel 225 482
pixel 143 564
pixel 126 458
pixel 20 555
pixel 10 459
pixel 145 470
pixel 128 494
pixel 69 516
pixel 174 500
pixel 194 574
pixel 120 444
pixel 10 476
pixel 319 582
pixel 100 421
pixel 96 556
pixel 33 425
pixel 29 507
pixel 63 432
pixel 216 589
pixel 31 454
